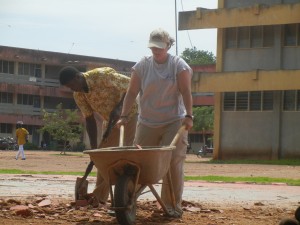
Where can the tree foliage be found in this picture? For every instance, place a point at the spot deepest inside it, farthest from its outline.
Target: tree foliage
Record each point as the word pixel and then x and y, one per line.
pixel 203 118
pixel 62 125
pixel 198 57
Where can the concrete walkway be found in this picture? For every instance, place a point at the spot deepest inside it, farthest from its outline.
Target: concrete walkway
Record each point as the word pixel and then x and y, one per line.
pixel 222 194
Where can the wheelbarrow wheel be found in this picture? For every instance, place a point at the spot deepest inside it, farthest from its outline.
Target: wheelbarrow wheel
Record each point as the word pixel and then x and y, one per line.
pixel 125 201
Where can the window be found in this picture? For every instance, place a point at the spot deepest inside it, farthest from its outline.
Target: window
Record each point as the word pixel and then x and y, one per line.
pixel 5 128
pixel 6 97
pixel 243 37
pixel 290 35
pixel 24 99
pixel 229 101
pixel 30 69
pixel 298 34
pixel 298 100
pixel 249 37
pixel 291 100
pixel 255 101
pixel 267 100
pixel 7 67
pixel 231 37
pixel 256 37
pixel 242 101
pixel 29 128
pixel 268 36
pixel 248 101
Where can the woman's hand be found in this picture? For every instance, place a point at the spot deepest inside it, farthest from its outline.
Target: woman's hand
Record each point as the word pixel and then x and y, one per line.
pixel 188 123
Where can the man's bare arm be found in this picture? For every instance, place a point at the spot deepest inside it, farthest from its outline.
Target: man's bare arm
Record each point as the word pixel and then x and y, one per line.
pixel 91 128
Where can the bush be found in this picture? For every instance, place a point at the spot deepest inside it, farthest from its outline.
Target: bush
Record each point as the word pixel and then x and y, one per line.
pixel 30 146
pixel 79 147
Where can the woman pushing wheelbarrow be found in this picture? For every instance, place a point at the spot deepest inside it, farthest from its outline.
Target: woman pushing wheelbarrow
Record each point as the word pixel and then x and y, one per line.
pixel 162 85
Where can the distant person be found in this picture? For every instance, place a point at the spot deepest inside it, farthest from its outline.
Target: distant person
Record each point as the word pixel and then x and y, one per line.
pixel 162 83
pixel 43 145
pixel 99 91
pixel 22 138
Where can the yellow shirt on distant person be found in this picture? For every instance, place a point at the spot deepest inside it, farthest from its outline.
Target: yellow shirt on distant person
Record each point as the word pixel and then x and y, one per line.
pixel 106 88
pixel 21 134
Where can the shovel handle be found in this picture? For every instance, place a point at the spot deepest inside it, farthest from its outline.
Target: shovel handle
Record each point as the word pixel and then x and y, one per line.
pixel 121 140
pixel 178 134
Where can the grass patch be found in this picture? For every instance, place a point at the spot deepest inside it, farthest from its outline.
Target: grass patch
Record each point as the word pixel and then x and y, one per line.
pixel 283 162
pixel 14 171
pixel 256 180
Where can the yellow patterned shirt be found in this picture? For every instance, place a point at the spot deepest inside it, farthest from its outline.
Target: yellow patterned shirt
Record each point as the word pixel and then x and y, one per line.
pixel 21 134
pixel 106 88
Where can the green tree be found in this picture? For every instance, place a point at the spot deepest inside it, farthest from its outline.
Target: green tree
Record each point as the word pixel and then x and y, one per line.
pixel 203 119
pixel 62 125
pixel 198 57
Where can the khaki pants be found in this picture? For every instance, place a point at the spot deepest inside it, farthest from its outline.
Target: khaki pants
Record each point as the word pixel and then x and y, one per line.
pixel 163 136
pixel 101 190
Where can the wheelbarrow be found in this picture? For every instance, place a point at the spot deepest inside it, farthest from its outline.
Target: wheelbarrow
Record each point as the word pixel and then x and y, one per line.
pixel 130 169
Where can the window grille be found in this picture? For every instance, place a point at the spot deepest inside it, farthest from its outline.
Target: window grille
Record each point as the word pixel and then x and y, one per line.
pixel 290 34
pixel 229 101
pixel 7 67
pixel 5 128
pixel 267 100
pixel 249 37
pixel 248 101
pixel 242 101
pixel 6 97
pixel 30 69
pixel 255 100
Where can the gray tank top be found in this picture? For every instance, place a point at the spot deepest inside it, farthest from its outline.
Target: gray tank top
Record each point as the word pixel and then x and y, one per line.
pixel 159 100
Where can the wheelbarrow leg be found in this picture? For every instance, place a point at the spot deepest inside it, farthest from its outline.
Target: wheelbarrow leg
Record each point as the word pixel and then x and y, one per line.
pixel 112 199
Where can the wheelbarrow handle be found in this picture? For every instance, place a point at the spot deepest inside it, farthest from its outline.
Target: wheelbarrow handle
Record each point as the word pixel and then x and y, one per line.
pixel 181 130
pixel 121 140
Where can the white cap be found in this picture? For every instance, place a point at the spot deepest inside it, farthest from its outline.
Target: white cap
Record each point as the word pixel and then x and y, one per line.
pixel 160 38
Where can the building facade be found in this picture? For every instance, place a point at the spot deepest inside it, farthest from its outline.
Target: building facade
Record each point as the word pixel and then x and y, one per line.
pixel 257 80
pixel 29 83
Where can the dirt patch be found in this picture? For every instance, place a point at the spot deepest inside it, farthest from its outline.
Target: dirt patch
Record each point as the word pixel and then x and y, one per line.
pixel 63 210
pixel 77 162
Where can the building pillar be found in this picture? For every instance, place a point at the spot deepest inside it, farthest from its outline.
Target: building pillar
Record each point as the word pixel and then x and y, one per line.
pixel 276 134
pixel 217 153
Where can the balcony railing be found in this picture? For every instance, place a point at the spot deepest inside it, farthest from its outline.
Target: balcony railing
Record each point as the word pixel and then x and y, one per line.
pixel 23 79
pixel 7 108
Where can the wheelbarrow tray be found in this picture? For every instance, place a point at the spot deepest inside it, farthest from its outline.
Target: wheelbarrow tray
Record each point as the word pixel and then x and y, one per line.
pixel 153 162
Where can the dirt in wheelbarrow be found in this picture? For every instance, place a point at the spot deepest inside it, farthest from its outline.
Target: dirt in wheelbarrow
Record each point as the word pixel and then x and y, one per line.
pixel 42 209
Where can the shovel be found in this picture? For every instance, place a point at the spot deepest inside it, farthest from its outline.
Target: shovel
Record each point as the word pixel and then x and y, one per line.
pixel 81 184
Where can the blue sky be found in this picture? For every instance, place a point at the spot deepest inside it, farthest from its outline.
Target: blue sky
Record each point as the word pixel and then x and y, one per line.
pixel 116 29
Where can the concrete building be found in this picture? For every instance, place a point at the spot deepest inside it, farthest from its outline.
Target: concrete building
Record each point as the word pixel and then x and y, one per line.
pixel 29 83
pixel 257 80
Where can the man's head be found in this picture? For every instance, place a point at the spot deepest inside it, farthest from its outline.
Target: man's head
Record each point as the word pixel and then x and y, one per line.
pixel 160 38
pixel 71 78
pixel 19 124
pixel 67 74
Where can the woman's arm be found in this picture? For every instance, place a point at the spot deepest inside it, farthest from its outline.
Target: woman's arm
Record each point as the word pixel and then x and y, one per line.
pixel 184 85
